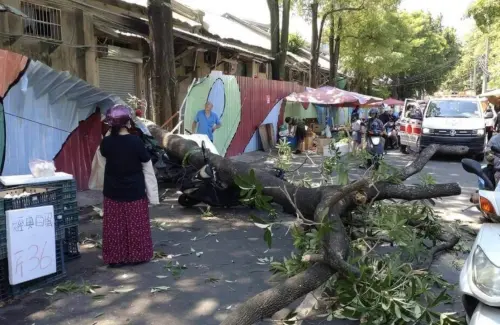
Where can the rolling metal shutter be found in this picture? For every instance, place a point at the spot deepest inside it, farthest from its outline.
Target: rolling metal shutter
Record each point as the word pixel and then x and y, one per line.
pixel 118 77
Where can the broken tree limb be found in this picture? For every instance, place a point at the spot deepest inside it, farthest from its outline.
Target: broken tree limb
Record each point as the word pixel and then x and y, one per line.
pixel 329 203
pixel 419 163
pixel 432 254
pixel 266 303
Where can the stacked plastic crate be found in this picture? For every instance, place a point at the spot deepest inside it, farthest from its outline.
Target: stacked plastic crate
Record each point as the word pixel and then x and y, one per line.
pixel 40 196
pixel 70 217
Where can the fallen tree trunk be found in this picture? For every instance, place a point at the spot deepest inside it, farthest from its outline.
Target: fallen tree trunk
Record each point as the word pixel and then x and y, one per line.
pixel 331 202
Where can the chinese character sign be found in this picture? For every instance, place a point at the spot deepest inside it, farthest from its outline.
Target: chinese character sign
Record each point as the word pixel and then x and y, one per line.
pixel 31 243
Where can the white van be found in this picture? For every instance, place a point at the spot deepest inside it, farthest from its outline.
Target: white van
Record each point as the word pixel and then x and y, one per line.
pixel 455 121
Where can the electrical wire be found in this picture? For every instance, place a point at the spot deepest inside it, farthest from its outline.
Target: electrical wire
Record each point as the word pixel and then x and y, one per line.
pixel 29 120
pixel 432 71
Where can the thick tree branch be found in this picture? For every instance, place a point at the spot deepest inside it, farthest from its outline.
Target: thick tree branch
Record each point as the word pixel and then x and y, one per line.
pixel 266 303
pixel 426 263
pixel 413 192
pixel 423 158
pixel 332 11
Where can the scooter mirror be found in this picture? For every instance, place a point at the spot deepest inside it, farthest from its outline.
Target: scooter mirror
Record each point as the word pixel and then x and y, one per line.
pixel 474 167
pixel 495 148
pixel 471 166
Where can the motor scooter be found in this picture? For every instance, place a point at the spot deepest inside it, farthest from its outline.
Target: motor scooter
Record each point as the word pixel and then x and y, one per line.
pixel 376 149
pixel 480 276
pixel 392 135
pixel 204 185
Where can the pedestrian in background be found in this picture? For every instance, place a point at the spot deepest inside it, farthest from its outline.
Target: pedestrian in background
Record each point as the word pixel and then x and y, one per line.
pixel 356 125
pixel 206 122
pixel 297 127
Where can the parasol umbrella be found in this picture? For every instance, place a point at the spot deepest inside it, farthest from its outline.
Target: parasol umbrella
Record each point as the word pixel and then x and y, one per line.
pixel 492 95
pixel 331 96
pixel 388 102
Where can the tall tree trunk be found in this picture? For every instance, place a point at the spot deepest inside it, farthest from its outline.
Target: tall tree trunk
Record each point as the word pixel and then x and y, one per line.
pixel 274 12
pixel 148 71
pixel 369 86
pixel 284 38
pixel 336 50
pixel 331 49
pixel 395 84
pixel 313 75
pixel 164 81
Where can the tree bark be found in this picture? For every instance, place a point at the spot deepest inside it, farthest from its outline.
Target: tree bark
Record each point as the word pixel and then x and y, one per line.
pixel 315 204
pixel 164 82
pixel 369 86
pixel 284 38
pixel 336 52
pixel 313 75
pixel 275 37
pixel 331 49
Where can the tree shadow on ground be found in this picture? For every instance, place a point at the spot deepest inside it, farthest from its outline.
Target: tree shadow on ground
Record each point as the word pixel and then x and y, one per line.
pixel 228 272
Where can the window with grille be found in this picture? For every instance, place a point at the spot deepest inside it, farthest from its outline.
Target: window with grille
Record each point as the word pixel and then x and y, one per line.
pixel 42 21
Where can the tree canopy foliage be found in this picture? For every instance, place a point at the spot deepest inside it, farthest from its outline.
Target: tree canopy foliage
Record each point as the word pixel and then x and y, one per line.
pixel 486 14
pixel 410 51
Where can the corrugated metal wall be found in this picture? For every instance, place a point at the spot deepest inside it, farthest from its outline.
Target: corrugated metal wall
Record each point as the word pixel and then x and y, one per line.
pixel 77 152
pixel 272 118
pixel 258 97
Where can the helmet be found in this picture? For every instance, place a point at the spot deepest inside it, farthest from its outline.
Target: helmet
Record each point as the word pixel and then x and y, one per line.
pixel 373 112
pixel 118 116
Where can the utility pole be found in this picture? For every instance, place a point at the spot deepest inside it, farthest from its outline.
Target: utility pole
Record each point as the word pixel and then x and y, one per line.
pixel 474 77
pixel 485 72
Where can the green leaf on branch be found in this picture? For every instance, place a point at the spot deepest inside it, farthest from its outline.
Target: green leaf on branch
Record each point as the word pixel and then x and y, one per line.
pixel 268 237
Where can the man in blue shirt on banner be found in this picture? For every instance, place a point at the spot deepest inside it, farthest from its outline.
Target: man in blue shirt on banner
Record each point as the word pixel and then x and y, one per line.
pixel 206 122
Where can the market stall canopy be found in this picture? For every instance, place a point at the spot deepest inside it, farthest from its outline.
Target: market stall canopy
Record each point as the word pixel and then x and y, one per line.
pixel 492 93
pixel 389 102
pixel 331 96
pixel 493 96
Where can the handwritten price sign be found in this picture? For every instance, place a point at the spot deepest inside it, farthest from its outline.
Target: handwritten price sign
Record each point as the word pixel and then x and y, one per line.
pixel 31 243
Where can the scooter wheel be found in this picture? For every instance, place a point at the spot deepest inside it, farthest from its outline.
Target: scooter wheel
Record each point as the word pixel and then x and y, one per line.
pixel 186 201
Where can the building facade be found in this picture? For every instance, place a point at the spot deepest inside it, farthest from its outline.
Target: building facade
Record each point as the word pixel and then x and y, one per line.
pixel 105 43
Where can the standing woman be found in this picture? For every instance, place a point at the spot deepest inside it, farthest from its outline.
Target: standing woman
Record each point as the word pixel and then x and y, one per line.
pixel 126 225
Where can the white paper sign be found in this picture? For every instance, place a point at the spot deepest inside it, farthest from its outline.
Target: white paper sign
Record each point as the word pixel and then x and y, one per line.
pixel 31 243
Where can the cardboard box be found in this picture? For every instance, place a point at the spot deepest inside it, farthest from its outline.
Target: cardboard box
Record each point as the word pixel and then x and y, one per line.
pixel 316 128
pixel 309 140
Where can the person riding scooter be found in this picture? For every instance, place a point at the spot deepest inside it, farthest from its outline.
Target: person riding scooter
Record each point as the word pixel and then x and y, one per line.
pixel 391 135
pixel 492 169
pixel 374 140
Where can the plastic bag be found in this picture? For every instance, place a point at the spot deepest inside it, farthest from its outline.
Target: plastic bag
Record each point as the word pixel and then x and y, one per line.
pixel 96 180
pixel 42 168
pixel 151 183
